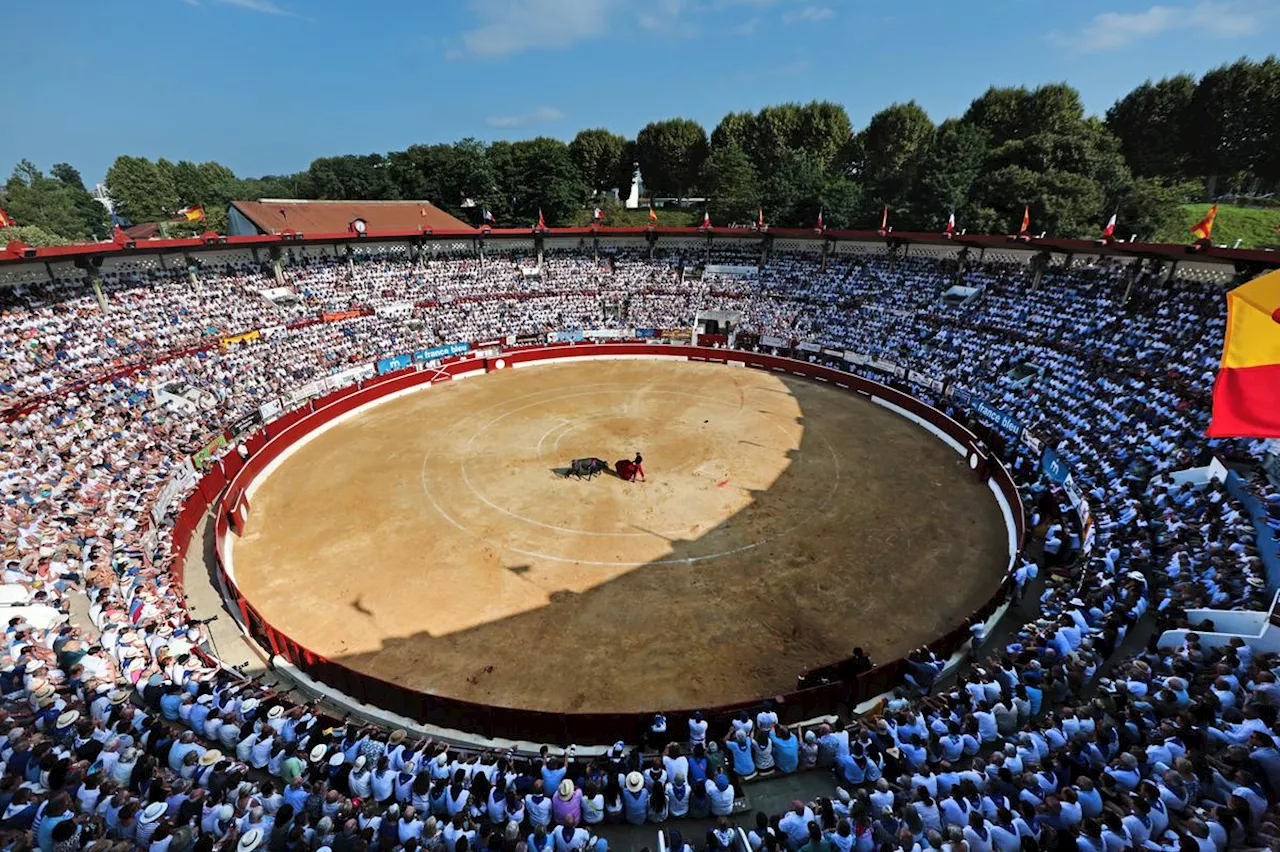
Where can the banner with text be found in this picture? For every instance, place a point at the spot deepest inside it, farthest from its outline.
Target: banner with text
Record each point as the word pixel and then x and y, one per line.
pixel 1002 421
pixel 394 362
pixel 435 353
pixel 572 335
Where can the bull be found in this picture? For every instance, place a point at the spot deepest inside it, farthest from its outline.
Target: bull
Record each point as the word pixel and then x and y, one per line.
pixel 587 467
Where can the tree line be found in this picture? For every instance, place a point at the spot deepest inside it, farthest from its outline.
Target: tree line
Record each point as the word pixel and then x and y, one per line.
pixel 1163 144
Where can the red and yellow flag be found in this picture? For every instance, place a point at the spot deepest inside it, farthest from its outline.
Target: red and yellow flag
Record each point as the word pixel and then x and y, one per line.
pixel 1246 395
pixel 1202 229
pixel 7 221
pixel 1026 218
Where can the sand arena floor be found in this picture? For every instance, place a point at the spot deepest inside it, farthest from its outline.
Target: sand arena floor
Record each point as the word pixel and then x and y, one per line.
pixel 433 540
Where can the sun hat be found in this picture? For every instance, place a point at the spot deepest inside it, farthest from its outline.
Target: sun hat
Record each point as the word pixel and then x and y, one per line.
pixel 118 696
pixel 635 782
pixel 210 757
pixel 336 759
pixel 317 753
pixel 360 762
pixel 225 812
pixel 566 789
pixel 397 736
pixel 153 812
pixel 250 840
pixel 275 712
pixel 442 758
pixel 68 718
pixel 249 705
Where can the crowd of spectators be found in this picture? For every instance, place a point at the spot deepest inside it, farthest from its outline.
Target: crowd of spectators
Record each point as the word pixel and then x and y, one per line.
pixel 1070 734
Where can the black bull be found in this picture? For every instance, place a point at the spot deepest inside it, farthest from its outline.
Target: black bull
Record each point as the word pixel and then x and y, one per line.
pixel 587 467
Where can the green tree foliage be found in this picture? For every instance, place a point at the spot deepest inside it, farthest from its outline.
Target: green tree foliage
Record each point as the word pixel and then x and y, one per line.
pixel 142 190
pixel 94 219
pixel 730 180
pixel 543 177
pixel 793 190
pixel 52 204
pixel 32 235
pixel 947 173
pixel 671 154
pixel 1151 124
pixel 600 158
pixel 893 146
pixel 352 176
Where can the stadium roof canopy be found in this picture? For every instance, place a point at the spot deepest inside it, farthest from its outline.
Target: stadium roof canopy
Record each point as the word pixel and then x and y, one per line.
pixel 277 215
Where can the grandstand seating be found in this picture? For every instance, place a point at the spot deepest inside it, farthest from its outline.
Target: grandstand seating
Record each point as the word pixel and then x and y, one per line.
pixel 1068 733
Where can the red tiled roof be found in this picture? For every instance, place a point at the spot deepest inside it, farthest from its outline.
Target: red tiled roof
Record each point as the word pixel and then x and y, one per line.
pixel 334 217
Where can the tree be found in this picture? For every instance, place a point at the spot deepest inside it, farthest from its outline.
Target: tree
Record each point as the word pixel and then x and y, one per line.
pixel 1152 124
pixel 352 176
pixel 597 154
pixel 671 154
pixel 730 180
pixel 142 190
pixel 736 129
pixel 894 144
pixel 1152 206
pixel 32 235
pixel 947 172
pixel 94 219
pixel 544 178
pixel 46 203
pixel 824 131
pixel 792 191
pixel 1232 129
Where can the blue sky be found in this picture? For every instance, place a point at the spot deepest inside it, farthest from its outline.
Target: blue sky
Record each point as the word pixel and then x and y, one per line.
pixel 265 86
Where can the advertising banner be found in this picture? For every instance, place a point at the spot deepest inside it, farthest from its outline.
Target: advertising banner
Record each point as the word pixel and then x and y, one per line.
pixel 609 334
pixel 245 422
pixel 1002 421
pixel 304 393
pixel 247 337
pixel 855 357
pixel 270 410
pixel 435 353
pixel 809 346
pixel 350 376
pixel 393 363
pixel 883 365
pixel 925 381
pixel 677 335
pixel 529 340
pixel 646 333
pixel 205 454
pixel 181 480
pixel 1032 440
pixel 775 342
pixel 338 316
pixel 833 353
pixel 1054 468
pixel 572 335
pixel 394 309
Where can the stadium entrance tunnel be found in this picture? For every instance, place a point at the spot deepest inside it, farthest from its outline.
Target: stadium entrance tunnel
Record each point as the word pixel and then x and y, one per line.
pixel 421 553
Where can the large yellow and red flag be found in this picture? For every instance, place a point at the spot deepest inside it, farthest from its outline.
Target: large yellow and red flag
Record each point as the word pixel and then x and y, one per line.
pixel 1246 395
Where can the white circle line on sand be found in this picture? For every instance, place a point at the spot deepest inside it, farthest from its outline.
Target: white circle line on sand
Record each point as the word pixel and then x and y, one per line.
pixel 427 490
pixel 466 476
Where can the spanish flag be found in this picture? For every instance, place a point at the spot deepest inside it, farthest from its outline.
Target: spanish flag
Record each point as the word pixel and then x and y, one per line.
pixel 1246 395
pixel 7 221
pixel 193 214
pixel 1202 229
pixel 1026 219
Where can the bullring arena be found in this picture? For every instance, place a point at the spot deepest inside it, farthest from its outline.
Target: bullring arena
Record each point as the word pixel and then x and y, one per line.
pixel 432 538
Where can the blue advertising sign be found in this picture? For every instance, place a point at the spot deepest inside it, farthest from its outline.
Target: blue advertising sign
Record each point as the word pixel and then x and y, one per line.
pixel 1003 422
pixel 448 350
pixel 646 333
pixel 1054 467
pixel 572 335
pixel 395 362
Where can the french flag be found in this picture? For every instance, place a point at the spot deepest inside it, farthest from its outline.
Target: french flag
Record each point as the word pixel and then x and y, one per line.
pixel 1111 227
pixel 488 217
pixel 951 223
pixel 598 215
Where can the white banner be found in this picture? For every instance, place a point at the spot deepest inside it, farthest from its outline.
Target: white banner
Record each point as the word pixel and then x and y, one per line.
pixel 809 347
pixel 350 376
pixel 394 309
pixel 775 342
pixel 609 333
pixel 855 358
pixel 181 480
pixel 271 410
